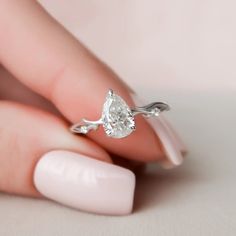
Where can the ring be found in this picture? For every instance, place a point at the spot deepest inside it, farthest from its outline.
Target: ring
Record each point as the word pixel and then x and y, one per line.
pixel 117 117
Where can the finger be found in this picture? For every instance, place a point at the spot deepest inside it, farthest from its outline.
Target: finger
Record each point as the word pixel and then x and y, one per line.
pixel 52 62
pixel 39 157
pixel 11 89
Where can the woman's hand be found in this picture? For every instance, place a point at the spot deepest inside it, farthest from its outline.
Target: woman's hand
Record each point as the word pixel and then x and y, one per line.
pixel 43 67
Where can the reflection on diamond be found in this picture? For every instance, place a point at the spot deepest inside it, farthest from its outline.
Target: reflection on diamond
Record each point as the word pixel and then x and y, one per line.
pixel 118 120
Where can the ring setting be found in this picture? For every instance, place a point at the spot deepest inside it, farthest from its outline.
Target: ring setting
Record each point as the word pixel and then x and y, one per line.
pixel 118 119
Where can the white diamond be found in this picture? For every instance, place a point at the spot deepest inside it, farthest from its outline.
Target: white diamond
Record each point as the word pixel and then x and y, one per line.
pixel 118 120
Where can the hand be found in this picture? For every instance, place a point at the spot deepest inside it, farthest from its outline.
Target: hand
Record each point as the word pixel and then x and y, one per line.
pixel 48 81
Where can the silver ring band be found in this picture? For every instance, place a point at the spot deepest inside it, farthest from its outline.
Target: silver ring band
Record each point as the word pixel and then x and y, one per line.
pixel 117 117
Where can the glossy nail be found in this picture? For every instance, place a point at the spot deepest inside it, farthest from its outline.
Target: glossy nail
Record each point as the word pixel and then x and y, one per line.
pixel 176 137
pixel 171 145
pixel 84 183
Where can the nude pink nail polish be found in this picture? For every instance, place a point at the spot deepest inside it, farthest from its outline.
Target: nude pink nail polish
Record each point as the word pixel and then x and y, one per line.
pixel 84 183
pixel 178 140
pixel 171 145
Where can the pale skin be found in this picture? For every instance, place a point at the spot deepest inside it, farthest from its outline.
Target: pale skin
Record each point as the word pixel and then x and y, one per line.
pixel 39 57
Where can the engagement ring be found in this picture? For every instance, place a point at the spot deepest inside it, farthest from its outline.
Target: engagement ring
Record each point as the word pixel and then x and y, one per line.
pixel 117 117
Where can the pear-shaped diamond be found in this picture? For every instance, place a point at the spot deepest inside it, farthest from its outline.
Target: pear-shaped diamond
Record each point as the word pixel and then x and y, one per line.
pixel 118 120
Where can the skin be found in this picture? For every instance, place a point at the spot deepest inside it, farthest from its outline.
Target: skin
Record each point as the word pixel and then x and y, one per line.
pixel 49 80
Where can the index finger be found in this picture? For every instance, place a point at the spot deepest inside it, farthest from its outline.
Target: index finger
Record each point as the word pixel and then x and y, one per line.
pixel 48 59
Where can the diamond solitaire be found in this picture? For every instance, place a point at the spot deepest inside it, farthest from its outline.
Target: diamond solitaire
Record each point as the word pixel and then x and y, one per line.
pixel 117 117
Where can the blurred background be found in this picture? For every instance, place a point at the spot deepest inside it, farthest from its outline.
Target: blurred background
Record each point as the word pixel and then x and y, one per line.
pixel 182 52
pixel 180 45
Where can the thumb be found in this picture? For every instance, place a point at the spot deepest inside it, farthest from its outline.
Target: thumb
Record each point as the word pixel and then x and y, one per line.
pixel 38 156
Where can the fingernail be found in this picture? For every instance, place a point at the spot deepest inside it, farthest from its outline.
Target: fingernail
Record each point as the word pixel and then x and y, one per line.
pixel 84 183
pixel 167 138
pixel 170 147
pixel 178 140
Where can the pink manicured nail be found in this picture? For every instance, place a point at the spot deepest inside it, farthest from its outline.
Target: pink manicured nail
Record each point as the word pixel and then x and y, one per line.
pixel 169 144
pixel 168 139
pixel 84 183
pixel 178 140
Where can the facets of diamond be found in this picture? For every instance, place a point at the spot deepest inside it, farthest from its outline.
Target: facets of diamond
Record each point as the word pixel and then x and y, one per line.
pixel 118 121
